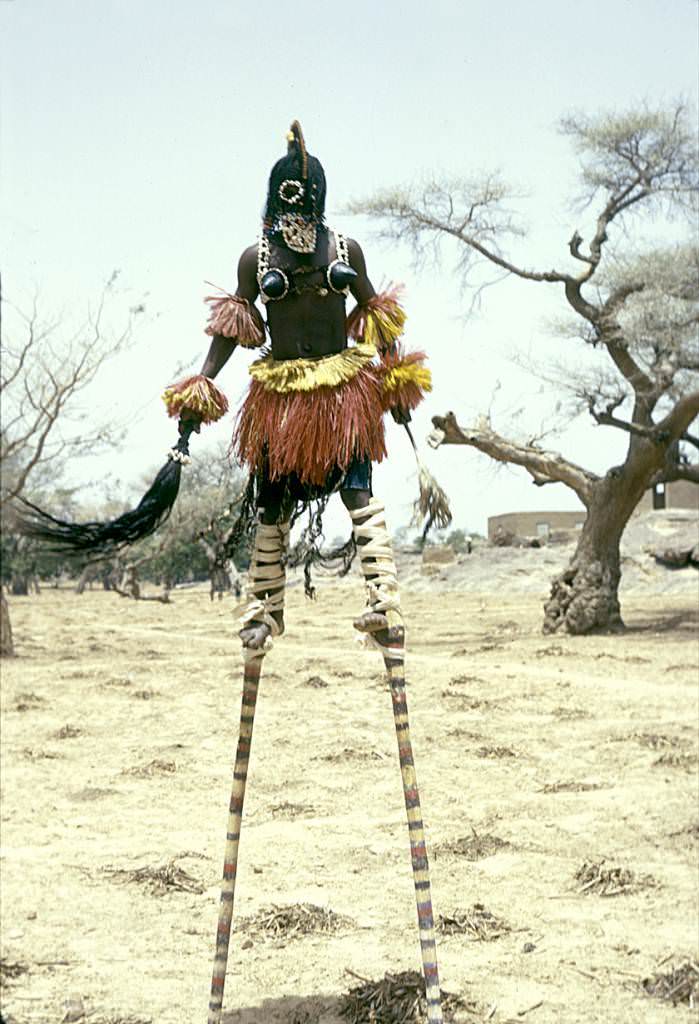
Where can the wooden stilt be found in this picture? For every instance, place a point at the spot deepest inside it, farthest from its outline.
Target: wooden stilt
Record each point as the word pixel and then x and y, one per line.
pixel 392 645
pixel 251 678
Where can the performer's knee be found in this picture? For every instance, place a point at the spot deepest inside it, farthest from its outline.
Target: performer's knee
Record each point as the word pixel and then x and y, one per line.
pixel 355 499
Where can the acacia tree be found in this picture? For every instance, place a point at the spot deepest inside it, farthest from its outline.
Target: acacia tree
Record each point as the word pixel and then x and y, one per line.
pixel 637 308
pixel 46 367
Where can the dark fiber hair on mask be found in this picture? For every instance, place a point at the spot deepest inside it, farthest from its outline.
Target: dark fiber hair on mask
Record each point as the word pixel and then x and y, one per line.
pixel 297 165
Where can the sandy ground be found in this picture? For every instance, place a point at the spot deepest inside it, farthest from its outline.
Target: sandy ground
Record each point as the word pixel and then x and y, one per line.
pixel 564 749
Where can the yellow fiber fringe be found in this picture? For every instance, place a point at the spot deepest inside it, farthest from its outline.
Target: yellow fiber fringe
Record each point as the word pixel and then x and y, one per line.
pixel 413 373
pixel 196 394
pixel 288 375
pixel 384 326
pixel 380 320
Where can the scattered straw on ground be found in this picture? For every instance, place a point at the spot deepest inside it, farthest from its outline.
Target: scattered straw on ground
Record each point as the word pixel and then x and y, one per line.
pixel 130 1019
pixel 159 879
pixel 397 999
pixel 39 754
pixel 597 880
pixel 68 732
pixel 156 767
pixel 317 682
pixel 10 970
pixel 474 847
pixel 27 701
pixel 287 809
pixel 294 920
pixel 570 714
pixel 573 787
pixel 678 985
pixel 349 754
pixel 686 762
pixel 467 703
pixel 655 741
pixel 553 651
pixel 499 753
pixel 476 922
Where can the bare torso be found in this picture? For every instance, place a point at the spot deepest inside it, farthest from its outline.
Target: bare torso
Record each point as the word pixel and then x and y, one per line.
pixel 306 323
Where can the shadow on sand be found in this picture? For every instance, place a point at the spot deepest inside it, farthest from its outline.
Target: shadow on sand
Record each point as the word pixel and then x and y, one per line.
pixel 288 1010
pixel 683 622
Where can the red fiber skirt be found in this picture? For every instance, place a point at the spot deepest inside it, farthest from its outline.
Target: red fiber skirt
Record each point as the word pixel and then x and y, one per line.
pixel 311 432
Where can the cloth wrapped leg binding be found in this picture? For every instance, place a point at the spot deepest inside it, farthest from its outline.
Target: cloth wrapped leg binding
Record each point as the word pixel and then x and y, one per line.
pixel 378 567
pixel 267 579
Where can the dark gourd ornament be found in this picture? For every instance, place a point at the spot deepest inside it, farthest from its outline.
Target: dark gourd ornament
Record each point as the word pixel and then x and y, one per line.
pixel 274 284
pixel 340 276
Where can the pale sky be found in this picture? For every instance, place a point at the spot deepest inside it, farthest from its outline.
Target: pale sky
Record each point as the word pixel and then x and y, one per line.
pixel 138 135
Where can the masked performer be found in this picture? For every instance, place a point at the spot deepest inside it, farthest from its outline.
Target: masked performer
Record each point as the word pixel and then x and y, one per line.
pixel 312 420
pixel 311 424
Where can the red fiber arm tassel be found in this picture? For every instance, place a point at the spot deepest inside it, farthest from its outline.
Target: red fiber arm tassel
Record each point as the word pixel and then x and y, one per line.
pixel 405 379
pixel 234 317
pixel 198 395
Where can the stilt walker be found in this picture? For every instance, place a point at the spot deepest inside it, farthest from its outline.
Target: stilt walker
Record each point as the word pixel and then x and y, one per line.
pixel 311 425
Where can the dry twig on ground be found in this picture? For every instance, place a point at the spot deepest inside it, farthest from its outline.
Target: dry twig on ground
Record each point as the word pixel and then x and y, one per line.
pixel 11 970
pixel 670 760
pixel 597 880
pixel 397 999
pixel 474 847
pixel 678 985
pixel 477 922
pixel 572 787
pixel 129 1019
pixel 655 741
pixel 156 767
pixel 294 920
pixel 159 879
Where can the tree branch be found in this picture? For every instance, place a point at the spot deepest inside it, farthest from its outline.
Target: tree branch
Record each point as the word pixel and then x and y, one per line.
pixel 682 471
pixel 674 425
pixel 544 467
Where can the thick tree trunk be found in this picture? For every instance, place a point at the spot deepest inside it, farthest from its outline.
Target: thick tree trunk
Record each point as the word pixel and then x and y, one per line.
pixel 19 586
pixel 585 596
pixel 7 648
pixel 83 581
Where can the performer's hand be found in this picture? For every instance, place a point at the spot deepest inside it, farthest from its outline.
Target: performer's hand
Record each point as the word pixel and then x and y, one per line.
pixel 401 416
pixel 189 421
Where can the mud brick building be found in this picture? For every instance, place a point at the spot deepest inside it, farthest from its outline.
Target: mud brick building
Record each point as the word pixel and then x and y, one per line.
pixel 679 494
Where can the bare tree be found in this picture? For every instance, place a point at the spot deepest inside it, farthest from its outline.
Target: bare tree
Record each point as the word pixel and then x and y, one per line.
pixel 638 310
pixel 193 540
pixel 214 541
pixel 46 369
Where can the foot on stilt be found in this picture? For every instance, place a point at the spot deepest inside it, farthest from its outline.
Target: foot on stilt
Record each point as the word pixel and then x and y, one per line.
pixel 370 622
pixel 376 556
pixel 255 634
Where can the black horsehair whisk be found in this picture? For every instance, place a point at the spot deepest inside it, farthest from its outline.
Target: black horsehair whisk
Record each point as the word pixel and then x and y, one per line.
pixel 102 540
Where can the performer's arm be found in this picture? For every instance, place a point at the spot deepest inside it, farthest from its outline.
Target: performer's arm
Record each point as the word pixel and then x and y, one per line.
pixel 222 347
pixel 361 287
pixel 233 321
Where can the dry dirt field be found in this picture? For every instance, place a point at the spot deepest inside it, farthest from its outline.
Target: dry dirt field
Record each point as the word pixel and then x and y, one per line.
pixel 558 779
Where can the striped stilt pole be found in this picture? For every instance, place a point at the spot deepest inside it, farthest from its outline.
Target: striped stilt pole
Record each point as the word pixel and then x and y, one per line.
pixel 378 567
pixel 393 650
pixel 251 678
